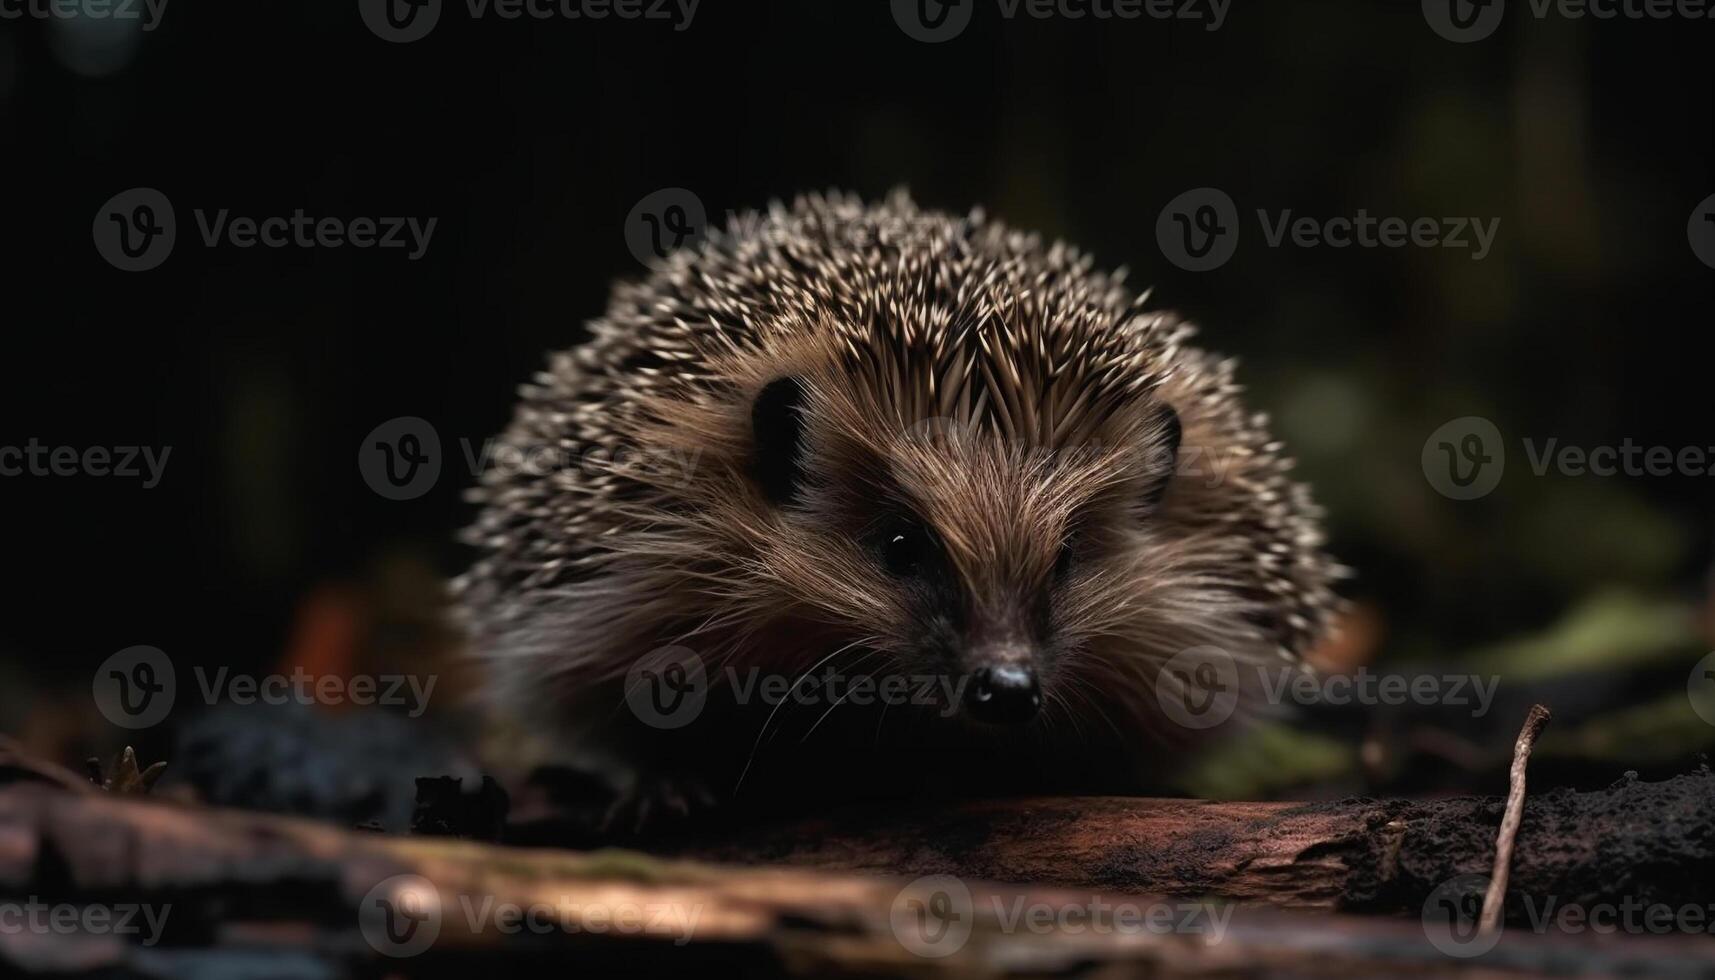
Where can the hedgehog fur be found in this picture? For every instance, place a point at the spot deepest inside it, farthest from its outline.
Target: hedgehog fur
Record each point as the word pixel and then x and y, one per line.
pixel 1070 486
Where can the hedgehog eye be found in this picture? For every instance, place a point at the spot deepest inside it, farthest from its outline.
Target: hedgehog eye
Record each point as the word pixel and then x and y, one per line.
pixel 905 549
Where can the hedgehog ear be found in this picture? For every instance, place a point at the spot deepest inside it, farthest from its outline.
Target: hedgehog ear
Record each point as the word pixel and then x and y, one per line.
pixel 1163 456
pixel 777 423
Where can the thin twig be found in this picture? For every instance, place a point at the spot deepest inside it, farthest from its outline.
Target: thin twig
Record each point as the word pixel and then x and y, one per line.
pixel 1495 899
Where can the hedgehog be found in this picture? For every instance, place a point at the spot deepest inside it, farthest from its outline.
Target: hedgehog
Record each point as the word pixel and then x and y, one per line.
pixel 842 441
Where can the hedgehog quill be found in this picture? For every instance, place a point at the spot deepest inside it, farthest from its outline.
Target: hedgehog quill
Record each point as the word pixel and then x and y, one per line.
pixel 924 446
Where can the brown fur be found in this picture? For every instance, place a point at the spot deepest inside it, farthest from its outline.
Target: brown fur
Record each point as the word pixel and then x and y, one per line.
pixel 995 387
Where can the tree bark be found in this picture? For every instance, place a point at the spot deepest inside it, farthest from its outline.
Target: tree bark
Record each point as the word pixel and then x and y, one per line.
pixel 1653 842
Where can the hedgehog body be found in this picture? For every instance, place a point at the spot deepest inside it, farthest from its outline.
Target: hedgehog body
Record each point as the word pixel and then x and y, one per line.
pixel 876 441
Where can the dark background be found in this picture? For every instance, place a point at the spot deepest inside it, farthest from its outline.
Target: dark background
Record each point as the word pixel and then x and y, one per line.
pixel 530 141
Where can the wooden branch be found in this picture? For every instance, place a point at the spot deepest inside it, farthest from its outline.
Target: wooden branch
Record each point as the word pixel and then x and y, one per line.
pixel 1644 841
pixel 248 894
pixel 1494 899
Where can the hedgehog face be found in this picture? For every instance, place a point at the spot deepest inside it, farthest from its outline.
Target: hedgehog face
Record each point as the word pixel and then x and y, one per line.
pixel 957 549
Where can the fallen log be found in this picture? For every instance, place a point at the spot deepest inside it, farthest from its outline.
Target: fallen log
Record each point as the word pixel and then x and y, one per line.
pixel 1638 841
pixel 238 893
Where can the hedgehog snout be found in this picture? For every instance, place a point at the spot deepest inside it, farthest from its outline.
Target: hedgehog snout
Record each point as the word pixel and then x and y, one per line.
pixel 1002 687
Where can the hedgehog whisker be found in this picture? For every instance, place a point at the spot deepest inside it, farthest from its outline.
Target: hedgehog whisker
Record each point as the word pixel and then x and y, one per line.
pixel 1084 689
pixel 878 722
pixel 831 707
pixel 787 697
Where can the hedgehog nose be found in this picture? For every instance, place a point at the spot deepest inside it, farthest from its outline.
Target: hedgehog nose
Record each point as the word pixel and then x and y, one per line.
pixel 1003 695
